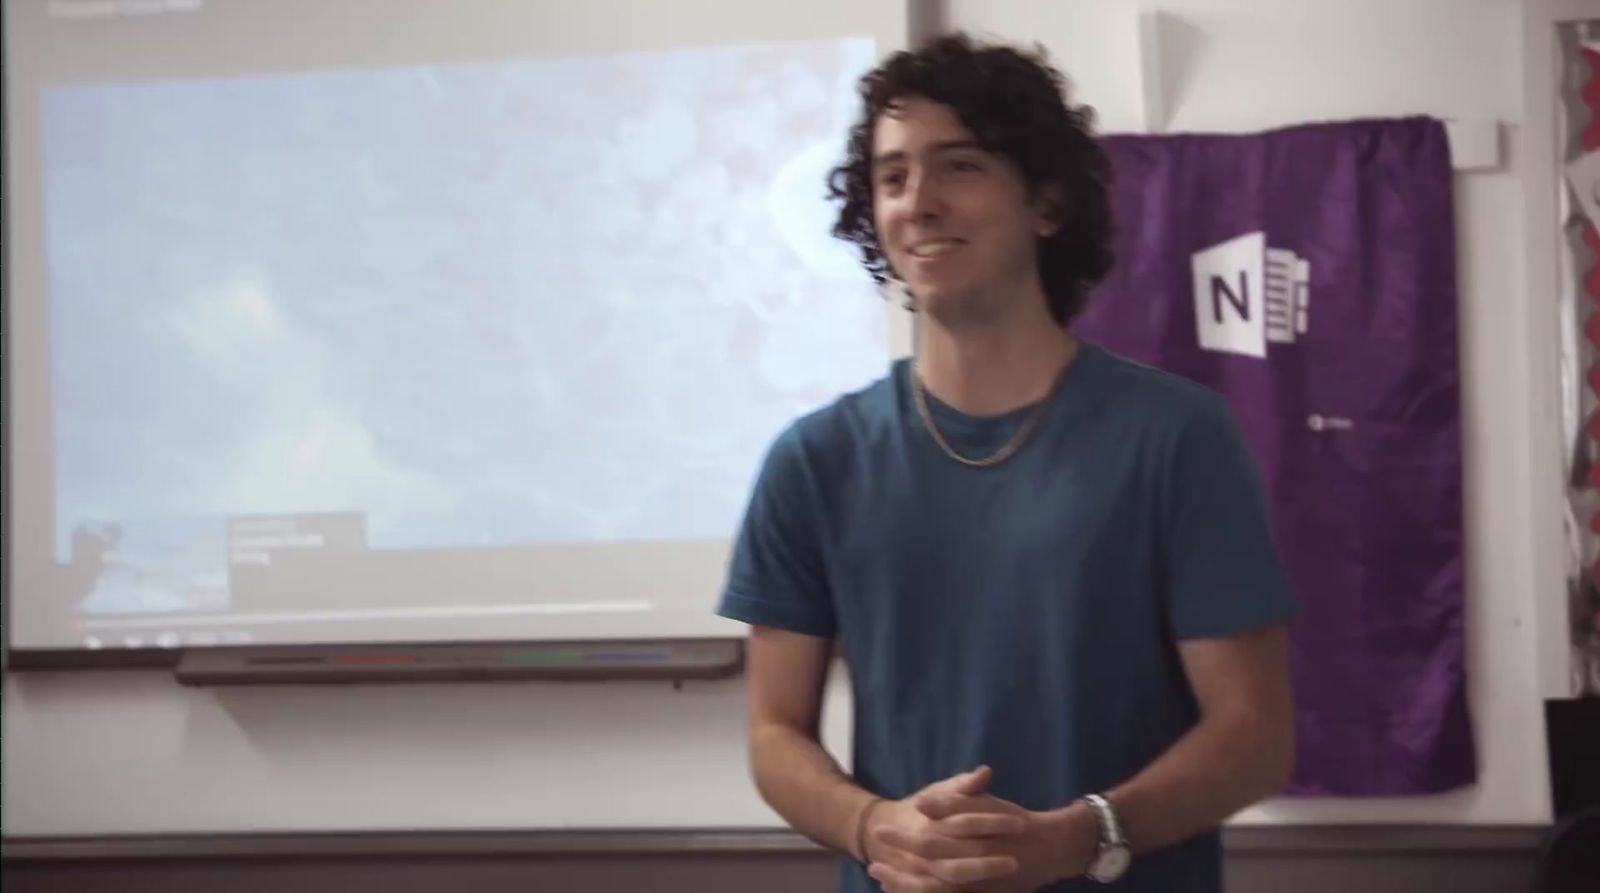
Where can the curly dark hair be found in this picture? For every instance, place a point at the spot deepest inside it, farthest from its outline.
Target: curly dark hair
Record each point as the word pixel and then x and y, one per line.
pixel 1018 107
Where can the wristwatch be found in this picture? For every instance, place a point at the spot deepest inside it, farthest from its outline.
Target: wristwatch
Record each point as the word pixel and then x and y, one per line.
pixel 1112 859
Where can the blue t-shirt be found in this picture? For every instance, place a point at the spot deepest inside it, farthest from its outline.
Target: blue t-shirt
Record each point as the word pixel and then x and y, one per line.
pixel 1026 615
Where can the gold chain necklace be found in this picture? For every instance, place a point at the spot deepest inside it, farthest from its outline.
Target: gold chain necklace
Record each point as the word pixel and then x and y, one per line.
pixel 1007 450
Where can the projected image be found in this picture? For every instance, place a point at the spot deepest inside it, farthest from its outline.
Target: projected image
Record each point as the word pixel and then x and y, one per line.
pixel 474 306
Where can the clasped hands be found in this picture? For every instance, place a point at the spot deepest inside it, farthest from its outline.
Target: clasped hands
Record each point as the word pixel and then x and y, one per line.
pixel 955 837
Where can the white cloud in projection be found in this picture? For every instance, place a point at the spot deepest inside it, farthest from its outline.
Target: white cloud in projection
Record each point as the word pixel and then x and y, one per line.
pixel 561 300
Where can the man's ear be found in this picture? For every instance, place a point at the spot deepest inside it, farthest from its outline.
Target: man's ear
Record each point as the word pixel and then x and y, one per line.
pixel 1049 204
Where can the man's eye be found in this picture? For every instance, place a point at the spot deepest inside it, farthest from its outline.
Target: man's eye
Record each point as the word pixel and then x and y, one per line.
pixel 965 166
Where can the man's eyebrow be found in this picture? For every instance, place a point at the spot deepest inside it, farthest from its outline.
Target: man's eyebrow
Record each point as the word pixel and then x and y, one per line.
pixel 898 155
pixel 955 146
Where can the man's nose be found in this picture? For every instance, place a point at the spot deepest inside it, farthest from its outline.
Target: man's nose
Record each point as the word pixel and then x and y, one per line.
pixel 922 198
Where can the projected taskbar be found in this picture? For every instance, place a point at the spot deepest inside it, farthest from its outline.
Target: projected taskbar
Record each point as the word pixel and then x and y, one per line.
pixel 312 578
pixel 239 629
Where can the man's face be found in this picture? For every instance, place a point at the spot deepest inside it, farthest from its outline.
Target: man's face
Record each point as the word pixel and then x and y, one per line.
pixel 956 223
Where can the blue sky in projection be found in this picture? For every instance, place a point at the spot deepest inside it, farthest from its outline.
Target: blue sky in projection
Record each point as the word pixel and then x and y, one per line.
pixel 536 301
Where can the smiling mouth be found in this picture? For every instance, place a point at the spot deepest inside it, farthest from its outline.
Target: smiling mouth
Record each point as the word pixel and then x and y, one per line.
pixel 933 248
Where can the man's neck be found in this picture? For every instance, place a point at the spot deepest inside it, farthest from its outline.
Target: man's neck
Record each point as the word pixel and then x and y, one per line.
pixel 994 368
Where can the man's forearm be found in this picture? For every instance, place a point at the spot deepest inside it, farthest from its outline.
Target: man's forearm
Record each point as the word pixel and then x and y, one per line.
pixel 1221 766
pixel 802 783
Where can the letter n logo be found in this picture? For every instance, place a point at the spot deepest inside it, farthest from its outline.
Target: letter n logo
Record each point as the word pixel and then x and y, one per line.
pixel 1229 296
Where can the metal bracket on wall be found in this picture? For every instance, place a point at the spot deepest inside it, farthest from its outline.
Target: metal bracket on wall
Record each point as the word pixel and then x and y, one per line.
pixel 670 661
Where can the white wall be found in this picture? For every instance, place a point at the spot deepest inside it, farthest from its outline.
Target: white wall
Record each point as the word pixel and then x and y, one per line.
pixel 89 753
pixel 130 752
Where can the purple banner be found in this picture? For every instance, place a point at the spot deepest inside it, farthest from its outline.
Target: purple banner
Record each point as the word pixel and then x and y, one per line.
pixel 1309 275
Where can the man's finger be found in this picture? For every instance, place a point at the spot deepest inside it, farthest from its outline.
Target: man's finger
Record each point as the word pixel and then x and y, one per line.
pixel 970 783
pixel 943 805
pixel 893 880
pixel 928 846
pixel 975 870
pixel 908 862
pixel 900 859
pixel 974 782
pixel 979 825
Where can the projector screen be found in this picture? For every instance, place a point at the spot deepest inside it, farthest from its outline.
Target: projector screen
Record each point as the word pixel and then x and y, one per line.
pixel 376 320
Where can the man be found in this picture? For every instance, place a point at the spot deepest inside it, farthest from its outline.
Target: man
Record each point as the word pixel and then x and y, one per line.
pixel 1050 569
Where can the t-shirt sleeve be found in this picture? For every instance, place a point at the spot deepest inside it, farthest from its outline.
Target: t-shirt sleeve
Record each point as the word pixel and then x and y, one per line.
pixel 776 576
pixel 1224 574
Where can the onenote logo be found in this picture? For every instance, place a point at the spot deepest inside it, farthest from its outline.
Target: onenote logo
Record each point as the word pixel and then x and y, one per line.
pixel 1247 295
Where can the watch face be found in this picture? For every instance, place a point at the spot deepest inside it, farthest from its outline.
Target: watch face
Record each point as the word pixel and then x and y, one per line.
pixel 1110 864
